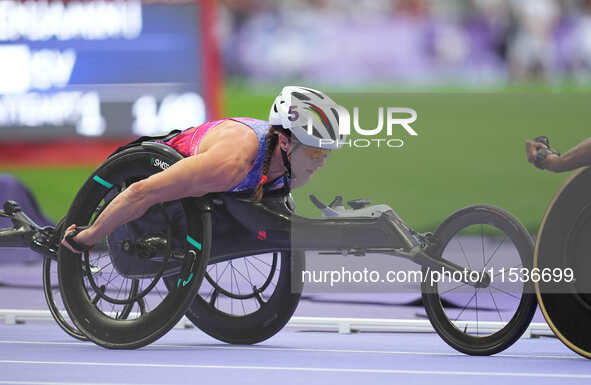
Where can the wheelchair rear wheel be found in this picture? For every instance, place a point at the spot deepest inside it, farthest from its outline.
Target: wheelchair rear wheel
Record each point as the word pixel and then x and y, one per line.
pixel 249 299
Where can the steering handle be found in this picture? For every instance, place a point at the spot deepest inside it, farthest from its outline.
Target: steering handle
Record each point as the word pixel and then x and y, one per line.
pixel 544 140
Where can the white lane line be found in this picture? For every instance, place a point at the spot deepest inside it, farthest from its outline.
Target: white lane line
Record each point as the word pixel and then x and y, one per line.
pixel 356 351
pixel 301 369
pixel 63 383
pixel 262 348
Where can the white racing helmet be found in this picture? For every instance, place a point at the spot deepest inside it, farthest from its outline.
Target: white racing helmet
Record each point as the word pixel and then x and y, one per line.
pixel 310 115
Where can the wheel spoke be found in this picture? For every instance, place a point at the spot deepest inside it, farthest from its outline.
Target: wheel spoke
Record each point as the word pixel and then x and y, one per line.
pixel 247 279
pixel 109 277
pixel 464 253
pixel 256 268
pixel 482 241
pixel 495 303
pixel 505 292
pixel 495 251
pixel 123 283
pixel 465 307
pixel 453 288
pixel 476 298
pixel 100 270
pixel 112 279
pixel 238 289
pixel 247 270
pixel 222 273
pixel 258 259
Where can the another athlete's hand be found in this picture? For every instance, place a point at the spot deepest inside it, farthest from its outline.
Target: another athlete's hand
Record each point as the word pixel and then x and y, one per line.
pixel 551 162
pixel 532 148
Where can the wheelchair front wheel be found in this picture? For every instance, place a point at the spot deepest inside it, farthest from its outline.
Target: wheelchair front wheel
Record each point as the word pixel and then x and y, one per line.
pixel 481 321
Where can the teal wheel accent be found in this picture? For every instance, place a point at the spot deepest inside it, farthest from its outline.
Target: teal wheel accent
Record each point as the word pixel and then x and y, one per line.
pixel 101 181
pixel 188 279
pixel 185 283
pixel 194 242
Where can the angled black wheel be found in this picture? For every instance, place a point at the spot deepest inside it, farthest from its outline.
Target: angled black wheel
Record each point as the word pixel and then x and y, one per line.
pixel 115 294
pixel 54 300
pixel 487 320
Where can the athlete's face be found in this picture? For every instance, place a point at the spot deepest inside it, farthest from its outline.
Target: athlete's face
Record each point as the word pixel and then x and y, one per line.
pixel 305 161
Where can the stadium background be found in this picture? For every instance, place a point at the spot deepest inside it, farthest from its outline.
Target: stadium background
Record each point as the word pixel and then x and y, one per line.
pixel 483 76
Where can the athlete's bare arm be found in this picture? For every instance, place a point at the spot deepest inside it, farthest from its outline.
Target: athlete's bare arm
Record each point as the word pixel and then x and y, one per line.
pixel 576 157
pixel 225 157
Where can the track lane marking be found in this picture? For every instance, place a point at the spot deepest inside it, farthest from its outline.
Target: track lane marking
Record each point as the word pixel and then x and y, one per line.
pixel 65 383
pixel 301 369
pixel 262 348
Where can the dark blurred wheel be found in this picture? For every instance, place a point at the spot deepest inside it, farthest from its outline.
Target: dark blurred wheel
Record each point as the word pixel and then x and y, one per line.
pixel 562 255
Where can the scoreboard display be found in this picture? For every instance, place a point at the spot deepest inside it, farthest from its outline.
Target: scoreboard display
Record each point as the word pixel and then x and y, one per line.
pixel 106 69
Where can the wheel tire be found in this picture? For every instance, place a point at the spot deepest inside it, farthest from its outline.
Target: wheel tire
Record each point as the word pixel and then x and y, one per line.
pixel 262 324
pixel 97 326
pixel 512 331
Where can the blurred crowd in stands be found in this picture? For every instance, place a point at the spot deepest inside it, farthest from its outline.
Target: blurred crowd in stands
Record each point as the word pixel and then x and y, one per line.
pixel 430 41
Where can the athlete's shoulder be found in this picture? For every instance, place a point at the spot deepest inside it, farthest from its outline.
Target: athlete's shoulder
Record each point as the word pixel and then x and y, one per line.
pixel 231 133
pixel 249 120
pixel 255 127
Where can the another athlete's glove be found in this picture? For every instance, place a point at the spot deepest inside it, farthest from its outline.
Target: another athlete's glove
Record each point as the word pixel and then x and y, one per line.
pixel 544 152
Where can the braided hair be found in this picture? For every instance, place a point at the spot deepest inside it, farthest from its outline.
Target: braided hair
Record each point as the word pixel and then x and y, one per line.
pixel 272 139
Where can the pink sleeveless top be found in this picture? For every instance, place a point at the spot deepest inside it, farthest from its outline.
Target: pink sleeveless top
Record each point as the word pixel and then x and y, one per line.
pixel 187 143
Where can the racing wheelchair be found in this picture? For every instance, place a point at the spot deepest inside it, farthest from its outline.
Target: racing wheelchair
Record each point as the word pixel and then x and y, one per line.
pixel 232 265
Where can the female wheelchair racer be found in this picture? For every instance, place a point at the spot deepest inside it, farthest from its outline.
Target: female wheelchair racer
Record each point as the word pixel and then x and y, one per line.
pixel 143 275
